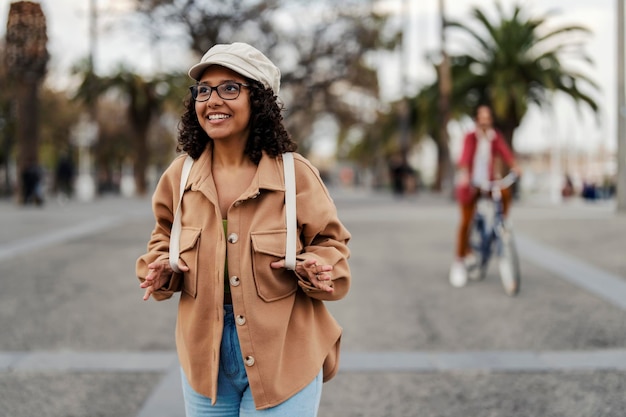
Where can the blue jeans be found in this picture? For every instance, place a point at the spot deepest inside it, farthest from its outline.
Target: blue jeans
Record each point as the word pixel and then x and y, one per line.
pixel 234 398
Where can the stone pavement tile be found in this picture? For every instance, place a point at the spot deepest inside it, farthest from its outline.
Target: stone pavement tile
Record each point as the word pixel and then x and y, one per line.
pixel 79 394
pixel 29 228
pixel 401 300
pixel 592 233
pixel 167 398
pixel 80 295
pixel 463 394
pixel 597 281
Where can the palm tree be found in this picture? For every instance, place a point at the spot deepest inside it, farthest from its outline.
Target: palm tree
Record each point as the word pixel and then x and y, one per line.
pixel 143 105
pixel 145 100
pixel 515 61
pixel 26 58
pixel 7 128
pixel 426 120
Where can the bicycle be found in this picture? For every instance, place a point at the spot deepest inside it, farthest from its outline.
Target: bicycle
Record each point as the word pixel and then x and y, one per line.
pixel 490 234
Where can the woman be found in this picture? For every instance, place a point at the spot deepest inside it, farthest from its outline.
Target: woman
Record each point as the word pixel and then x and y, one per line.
pixel 483 150
pixel 250 334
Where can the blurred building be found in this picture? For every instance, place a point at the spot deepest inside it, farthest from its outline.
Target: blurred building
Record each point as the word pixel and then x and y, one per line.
pixel 583 168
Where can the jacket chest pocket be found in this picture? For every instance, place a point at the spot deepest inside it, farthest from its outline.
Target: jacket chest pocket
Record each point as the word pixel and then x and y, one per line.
pixel 189 253
pixel 272 284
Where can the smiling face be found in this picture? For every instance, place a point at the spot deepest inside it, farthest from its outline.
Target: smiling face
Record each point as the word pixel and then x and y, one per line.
pixel 224 120
pixel 484 119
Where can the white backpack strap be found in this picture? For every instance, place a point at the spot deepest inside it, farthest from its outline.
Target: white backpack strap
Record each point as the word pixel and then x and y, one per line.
pixel 176 224
pixel 290 210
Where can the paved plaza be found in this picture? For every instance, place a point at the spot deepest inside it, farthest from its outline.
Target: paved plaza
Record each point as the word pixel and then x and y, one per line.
pixel 76 340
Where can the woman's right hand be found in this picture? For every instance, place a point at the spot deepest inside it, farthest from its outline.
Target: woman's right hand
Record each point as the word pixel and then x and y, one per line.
pixel 462 178
pixel 159 274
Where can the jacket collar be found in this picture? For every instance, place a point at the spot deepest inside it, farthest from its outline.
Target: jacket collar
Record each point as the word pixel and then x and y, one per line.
pixel 489 135
pixel 269 176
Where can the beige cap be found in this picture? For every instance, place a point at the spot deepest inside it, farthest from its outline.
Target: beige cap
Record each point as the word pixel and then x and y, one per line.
pixel 243 59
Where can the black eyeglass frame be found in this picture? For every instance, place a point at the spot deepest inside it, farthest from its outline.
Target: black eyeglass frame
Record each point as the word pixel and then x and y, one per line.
pixel 194 90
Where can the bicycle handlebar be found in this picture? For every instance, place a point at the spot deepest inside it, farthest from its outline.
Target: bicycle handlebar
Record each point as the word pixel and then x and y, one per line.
pixel 508 180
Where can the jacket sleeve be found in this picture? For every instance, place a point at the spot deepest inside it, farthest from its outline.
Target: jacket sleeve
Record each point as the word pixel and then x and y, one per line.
pixel 323 235
pixel 466 153
pixel 464 192
pixel 504 151
pixel 163 205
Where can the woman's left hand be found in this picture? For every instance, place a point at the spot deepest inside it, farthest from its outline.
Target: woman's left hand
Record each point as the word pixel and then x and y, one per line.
pixel 318 275
pixel 159 274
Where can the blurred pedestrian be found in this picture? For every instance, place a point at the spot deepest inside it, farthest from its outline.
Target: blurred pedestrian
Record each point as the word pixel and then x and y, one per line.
pixel 483 149
pixel 251 335
pixel 32 185
pixel 589 191
pixel 398 170
pixel 568 187
pixel 65 176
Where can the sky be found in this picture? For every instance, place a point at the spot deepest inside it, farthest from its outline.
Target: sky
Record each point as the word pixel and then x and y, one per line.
pixel 121 40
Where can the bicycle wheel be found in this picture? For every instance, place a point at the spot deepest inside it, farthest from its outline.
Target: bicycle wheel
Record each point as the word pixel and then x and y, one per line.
pixel 508 263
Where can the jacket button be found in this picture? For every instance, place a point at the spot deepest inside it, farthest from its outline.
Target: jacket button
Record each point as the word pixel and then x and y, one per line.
pixel 233 238
pixel 249 360
pixel 241 320
pixel 234 281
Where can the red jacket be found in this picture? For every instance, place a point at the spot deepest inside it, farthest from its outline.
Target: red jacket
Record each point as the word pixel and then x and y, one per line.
pixel 499 148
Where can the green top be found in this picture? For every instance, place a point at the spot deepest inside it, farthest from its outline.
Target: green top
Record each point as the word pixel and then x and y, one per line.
pixel 226 286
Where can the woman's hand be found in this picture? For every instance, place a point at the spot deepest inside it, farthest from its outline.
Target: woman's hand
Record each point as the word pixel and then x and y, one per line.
pixel 462 178
pixel 318 275
pixel 158 276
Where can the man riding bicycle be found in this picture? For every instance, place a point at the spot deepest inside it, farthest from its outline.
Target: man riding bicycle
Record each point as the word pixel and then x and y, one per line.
pixel 477 165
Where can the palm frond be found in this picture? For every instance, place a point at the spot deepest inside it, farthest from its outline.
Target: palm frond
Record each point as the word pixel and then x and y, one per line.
pixel 519 63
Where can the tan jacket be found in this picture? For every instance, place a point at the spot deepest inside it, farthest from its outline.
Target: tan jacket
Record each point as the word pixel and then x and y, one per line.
pixel 286 333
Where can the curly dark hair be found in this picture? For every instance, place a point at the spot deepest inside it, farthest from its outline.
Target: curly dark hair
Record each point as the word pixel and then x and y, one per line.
pixel 267 132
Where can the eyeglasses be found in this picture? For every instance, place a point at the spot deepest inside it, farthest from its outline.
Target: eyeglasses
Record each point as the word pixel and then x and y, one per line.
pixel 229 90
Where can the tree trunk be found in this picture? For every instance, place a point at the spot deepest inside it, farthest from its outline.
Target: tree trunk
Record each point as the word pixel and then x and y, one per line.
pixel 444 171
pixel 140 160
pixel 27 129
pixel 507 131
pixel 26 57
pixel 444 77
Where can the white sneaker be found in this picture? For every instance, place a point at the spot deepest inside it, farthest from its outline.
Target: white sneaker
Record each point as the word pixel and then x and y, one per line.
pixel 458 274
